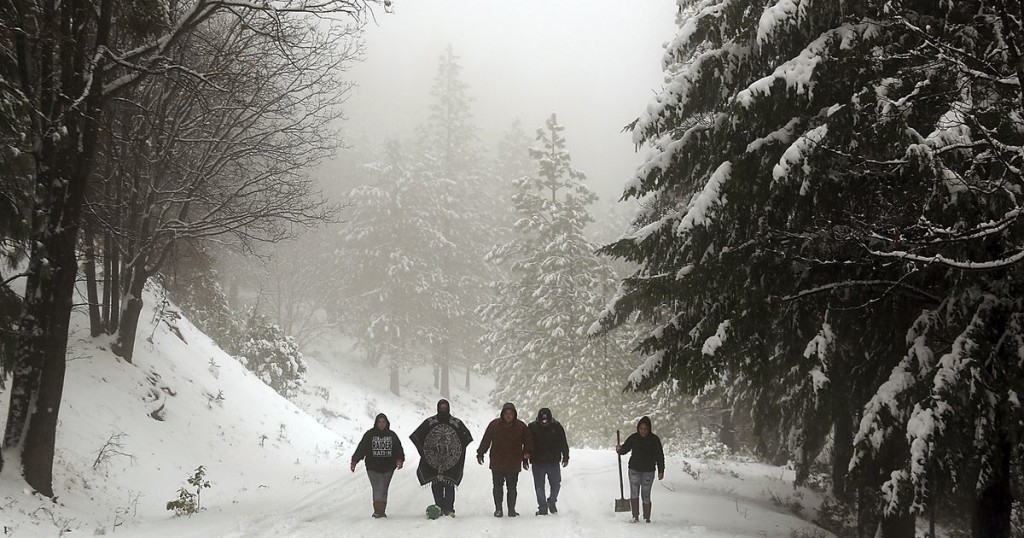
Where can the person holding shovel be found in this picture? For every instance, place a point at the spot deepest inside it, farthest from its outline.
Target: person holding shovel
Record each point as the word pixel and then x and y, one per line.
pixel 647 456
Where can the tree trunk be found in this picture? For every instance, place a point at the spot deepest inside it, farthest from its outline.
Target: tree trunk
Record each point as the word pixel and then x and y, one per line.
pixel 233 293
pixel 115 289
pixel 727 433
pixel 842 451
pixel 95 321
pixel 107 283
pixel 39 368
pixel 131 309
pixel 445 371
pixel 469 368
pixel 842 426
pixel 395 388
pixel 994 504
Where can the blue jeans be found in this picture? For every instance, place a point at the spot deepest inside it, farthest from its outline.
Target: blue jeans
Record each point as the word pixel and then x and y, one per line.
pixel 444 496
pixel 554 475
pixel 640 484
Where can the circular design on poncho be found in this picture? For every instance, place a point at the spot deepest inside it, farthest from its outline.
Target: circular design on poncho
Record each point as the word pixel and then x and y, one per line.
pixel 442 447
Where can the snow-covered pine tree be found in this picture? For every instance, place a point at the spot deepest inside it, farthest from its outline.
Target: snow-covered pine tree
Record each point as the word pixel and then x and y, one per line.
pixel 467 212
pixel 395 293
pixel 815 168
pixel 273 356
pixel 537 337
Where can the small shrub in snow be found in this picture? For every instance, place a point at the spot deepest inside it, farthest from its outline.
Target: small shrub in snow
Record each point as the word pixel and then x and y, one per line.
pixel 272 356
pixel 706 448
pixel 187 502
pixel 113 447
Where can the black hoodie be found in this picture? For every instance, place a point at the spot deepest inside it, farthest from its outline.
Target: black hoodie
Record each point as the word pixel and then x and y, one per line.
pixel 549 443
pixel 647 451
pixel 382 449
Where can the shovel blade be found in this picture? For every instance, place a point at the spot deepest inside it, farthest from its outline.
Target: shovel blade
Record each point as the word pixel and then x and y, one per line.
pixel 622 505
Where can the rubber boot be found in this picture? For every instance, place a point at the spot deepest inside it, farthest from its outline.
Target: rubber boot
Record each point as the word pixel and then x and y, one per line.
pixel 634 503
pixel 497 504
pixel 647 512
pixel 512 494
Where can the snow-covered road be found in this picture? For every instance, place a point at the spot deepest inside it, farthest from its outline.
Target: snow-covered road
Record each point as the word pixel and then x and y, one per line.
pixel 727 499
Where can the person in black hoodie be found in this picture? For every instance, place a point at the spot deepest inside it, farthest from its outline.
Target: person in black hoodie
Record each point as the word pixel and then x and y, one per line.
pixel 441 441
pixel 549 449
pixel 383 452
pixel 647 455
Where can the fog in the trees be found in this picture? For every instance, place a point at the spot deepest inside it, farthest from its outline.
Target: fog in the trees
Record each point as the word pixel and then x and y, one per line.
pixel 594 63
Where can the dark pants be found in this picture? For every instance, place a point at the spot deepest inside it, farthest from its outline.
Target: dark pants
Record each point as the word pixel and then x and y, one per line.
pixel 379 483
pixel 444 496
pixel 500 480
pixel 554 475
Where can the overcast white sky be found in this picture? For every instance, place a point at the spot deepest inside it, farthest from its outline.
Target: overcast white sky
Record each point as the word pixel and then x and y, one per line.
pixel 594 62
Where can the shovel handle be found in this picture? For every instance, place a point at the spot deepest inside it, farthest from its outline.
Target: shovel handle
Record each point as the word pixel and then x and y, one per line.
pixel 618 441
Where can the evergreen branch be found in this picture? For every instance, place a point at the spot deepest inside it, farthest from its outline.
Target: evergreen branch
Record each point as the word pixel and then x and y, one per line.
pixel 860 283
pixel 956 264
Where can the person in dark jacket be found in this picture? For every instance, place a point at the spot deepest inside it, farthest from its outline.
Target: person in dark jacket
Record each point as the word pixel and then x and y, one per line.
pixel 647 455
pixel 510 443
pixel 549 449
pixel 441 441
pixel 383 452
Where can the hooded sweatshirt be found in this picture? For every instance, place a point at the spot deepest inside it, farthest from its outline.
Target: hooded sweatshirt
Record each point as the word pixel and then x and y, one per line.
pixel 647 451
pixel 510 442
pixel 549 443
pixel 441 441
pixel 382 449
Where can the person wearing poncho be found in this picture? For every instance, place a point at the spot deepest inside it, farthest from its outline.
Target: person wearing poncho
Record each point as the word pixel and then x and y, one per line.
pixel 441 441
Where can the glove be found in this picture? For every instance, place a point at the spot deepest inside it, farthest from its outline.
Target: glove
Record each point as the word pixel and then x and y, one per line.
pixel 661 475
pixel 480 459
pixel 565 462
pixel 399 463
pixel 526 465
pixel 352 467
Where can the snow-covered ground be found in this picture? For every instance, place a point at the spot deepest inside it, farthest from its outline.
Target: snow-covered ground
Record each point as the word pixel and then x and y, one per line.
pixel 279 468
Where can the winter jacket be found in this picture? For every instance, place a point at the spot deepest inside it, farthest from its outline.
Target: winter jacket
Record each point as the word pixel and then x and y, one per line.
pixel 549 443
pixel 647 451
pixel 441 441
pixel 382 449
pixel 510 442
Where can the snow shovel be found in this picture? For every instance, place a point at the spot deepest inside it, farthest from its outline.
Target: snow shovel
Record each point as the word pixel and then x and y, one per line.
pixel 622 503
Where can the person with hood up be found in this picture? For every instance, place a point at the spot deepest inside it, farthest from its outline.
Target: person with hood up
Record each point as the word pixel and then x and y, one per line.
pixel 647 454
pixel 510 443
pixel 383 452
pixel 441 441
pixel 549 449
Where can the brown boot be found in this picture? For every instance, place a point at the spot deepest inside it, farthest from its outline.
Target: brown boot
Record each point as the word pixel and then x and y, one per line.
pixel 378 509
pixel 634 503
pixel 647 512
pixel 384 506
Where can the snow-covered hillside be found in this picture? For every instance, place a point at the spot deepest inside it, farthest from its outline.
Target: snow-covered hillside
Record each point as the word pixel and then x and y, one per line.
pixel 131 434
